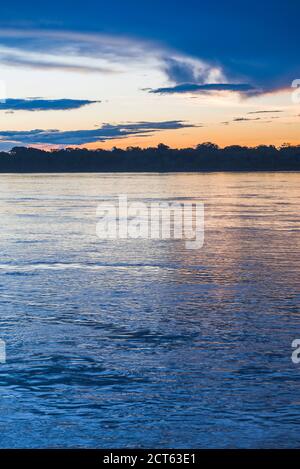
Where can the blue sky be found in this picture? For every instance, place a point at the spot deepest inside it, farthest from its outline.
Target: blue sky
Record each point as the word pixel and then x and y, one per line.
pixel 204 63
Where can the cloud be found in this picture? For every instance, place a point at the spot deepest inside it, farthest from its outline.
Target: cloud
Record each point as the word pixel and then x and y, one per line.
pixel 196 88
pixel 80 137
pixel 195 76
pixel 106 54
pixel 69 51
pixel 35 63
pixel 247 119
pixel 180 70
pixel 39 104
pixel 243 119
pixel 263 112
pixel 73 51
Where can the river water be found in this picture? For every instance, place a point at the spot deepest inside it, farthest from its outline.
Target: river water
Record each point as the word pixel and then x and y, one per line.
pixel 144 343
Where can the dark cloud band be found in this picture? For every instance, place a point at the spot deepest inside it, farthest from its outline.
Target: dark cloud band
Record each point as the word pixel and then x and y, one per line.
pixel 80 137
pixel 37 104
pixel 195 88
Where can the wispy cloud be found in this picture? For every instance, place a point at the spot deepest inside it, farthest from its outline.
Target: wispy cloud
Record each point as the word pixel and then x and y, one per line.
pixel 39 104
pixel 261 120
pixel 245 119
pixel 72 51
pixel 265 112
pixel 40 64
pixel 80 137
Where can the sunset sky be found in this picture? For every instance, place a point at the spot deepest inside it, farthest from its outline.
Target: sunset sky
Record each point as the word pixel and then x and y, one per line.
pixel 104 74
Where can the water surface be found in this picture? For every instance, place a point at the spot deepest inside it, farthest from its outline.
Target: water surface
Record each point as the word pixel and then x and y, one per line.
pixel 143 343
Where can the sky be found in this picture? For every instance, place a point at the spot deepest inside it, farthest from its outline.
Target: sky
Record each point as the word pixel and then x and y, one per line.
pixel 129 73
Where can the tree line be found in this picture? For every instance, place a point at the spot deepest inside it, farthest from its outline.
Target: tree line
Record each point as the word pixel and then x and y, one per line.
pixel 204 157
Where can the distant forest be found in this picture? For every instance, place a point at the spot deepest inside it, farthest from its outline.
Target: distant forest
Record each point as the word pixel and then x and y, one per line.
pixel 204 157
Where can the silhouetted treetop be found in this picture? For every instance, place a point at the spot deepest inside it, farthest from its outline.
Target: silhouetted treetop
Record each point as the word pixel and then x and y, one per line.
pixel 206 156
